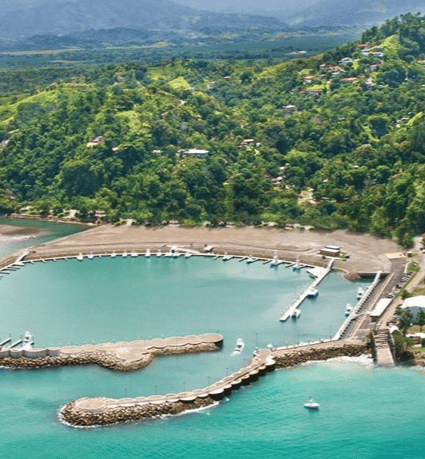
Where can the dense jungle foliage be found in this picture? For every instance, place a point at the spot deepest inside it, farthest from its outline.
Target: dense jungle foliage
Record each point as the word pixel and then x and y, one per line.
pixel 334 141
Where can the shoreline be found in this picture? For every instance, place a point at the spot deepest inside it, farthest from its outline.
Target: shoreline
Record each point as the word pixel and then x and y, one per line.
pixel 368 254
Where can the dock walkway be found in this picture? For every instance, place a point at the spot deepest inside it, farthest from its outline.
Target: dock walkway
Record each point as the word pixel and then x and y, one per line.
pixel 355 312
pixel 321 273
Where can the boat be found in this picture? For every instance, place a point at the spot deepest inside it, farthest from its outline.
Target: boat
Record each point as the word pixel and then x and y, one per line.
pixel 134 254
pixel 296 314
pixel 312 405
pixel 297 265
pixel 148 253
pixel 90 256
pixel 28 341
pixel 360 293
pixel 159 253
pixel 124 255
pixel 176 254
pixel 250 259
pixel 275 260
pixel 113 254
pixel 80 257
pixel 188 254
pixel 168 254
pixel 226 257
pixel 348 309
pixel 313 292
pixel 239 347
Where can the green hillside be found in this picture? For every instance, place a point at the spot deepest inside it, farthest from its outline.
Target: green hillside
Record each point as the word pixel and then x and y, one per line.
pixel 335 141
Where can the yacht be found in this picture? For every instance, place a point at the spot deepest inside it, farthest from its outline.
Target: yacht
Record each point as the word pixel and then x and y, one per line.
pixel 134 254
pixel 90 256
pixel 159 253
pixel 239 346
pixel 250 259
pixel 113 254
pixel 168 254
pixel 226 257
pixel 313 292
pixel 80 257
pixel 28 341
pixel 148 253
pixel 312 405
pixel 275 260
pixel 188 254
pixel 125 254
pixel 297 265
pixel 348 309
pixel 360 293
pixel 296 314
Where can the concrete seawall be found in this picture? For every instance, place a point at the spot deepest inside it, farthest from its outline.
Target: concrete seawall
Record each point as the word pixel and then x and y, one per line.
pixel 103 411
pixel 115 356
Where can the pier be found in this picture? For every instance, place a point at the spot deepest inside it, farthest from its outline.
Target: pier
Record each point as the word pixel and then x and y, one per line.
pixel 355 312
pixel 321 273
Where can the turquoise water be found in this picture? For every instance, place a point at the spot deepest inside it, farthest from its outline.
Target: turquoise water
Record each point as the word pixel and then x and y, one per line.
pixel 365 412
pixel 51 231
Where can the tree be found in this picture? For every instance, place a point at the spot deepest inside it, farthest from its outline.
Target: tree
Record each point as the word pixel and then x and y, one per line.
pixel 421 318
pixel 405 321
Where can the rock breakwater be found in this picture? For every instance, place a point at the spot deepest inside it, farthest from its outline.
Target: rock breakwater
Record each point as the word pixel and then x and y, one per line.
pixel 289 357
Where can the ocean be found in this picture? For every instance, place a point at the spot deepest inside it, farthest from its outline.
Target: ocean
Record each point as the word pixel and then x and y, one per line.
pixel 365 412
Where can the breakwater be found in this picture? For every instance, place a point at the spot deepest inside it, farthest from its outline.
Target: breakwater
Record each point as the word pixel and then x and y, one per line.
pixel 102 411
pixel 121 356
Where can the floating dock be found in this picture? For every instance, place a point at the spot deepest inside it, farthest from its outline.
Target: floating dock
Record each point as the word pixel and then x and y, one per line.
pixel 321 273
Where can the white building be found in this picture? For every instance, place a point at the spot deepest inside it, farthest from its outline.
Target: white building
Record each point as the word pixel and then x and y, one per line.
pixel 415 304
pixel 196 152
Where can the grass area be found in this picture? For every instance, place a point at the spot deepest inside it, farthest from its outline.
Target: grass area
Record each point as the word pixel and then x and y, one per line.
pixel 179 83
pixel 392 46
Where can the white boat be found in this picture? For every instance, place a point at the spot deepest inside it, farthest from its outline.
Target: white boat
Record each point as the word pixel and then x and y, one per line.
pixel 250 259
pixel 296 314
pixel 312 405
pixel 159 253
pixel 124 255
pixel 148 253
pixel 134 254
pixel 226 257
pixel 188 254
pixel 297 265
pixel 80 257
pixel 113 254
pixel 313 292
pixel 239 347
pixel 348 309
pixel 28 341
pixel 275 260
pixel 168 254
pixel 360 293
pixel 90 256
pixel 176 254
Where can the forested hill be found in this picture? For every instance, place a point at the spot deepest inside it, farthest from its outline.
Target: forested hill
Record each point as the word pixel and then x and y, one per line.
pixel 337 140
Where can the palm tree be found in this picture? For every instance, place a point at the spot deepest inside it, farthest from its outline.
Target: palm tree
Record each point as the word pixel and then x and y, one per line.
pixel 405 321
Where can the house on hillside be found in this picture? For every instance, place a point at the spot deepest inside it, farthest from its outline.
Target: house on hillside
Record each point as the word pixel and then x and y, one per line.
pixel 247 143
pixel 96 141
pixel 199 153
pixel 346 60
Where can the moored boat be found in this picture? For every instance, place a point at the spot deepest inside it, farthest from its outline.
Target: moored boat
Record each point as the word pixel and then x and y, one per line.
pixel 296 314
pixel 239 346
pixel 80 257
pixel 313 292
pixel 348 309
pixel 148 253
pixel 28 341
pixel 360 293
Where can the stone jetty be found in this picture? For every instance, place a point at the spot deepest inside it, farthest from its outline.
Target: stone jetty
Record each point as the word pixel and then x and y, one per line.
pixel 121 356
pixel 103 411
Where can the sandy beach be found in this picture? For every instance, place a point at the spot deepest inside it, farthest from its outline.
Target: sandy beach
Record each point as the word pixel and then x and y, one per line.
pixel 367 253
